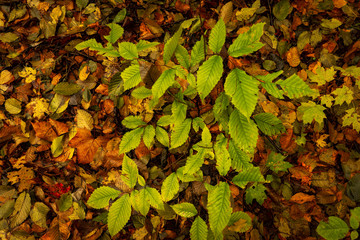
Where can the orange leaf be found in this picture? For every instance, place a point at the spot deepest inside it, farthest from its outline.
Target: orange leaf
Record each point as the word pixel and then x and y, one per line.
pixel 60 127
pixel 86 145
pixel 339 3
pixel 301 198
pixel 293 57
pixel 44 130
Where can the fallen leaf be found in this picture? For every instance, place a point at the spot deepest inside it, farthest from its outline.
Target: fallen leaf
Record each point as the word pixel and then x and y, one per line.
pixel 86 145
pixel 301 198
pixel 293 57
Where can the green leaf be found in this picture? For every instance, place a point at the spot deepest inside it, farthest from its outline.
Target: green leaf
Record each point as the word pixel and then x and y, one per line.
pixel 57 146
pixel 354 235
pixel 185 209
pixel 131 76
pixel 194 162
pixel 178 110
pixel 182 56
pixel 170 187
pixel 198 230
pixel 217 36
pixel 140 202
pixel 149 135
pixel 335 229
pixel 66 88
pixel 271 87
pixel 219 207
pixel 21 209
pixel 154 198
pixel 171 45
pixel 82 3
pixel 223 161
pixel 66 201
pixel 331 23
pixel 311 111
pixel 352 118
pixel 355 218
pixel 197 53
pixel 120 16
pixel 128 50
pixel 243 131
pixel 130 140
pixel 256 192
pixel 92 44
pixel 276 162
pixel 282 9
pixel 343 94
pixel 7 208
pixel 101 196
pixel 221 111
pixel 38 214
pixel 209 75
pixel 166 79
pixel 129 172
pixel 143 45
pixel 115 33
pixel 295 87
pixel 119 214
pixel 162 136
pixel 132 122
pixel 184 177
pixel 206 136
pixel 269 124
pixel 239 217
pixel 116 85
pixel 247 42
pixel 243 90
pixel 141 92
pixel 239 159
pixel 180 133
pixel 322 75
pixel 198 123
pixel 252 174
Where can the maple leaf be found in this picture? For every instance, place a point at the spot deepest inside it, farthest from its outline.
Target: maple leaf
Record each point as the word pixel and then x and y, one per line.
pixel 86 145
pixel 320 142
pixel 29 74
pixel 327 100
pixel 311 111
pixel 352 118
pixel 343 94
pixel 23 176
pixel 276 162
pixel 256 192
pixel 38 107
pixel 322 75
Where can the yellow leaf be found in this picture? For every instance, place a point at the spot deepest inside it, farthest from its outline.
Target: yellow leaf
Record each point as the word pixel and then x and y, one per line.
pixel 84 73
pixel 5 77
pixel 24 175
pixel 13 106
pixel 320 142
pixel 84 119
pixel 39 107
pixel 29 74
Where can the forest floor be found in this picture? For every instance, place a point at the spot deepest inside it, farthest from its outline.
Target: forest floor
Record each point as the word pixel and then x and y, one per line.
pixel 58 145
